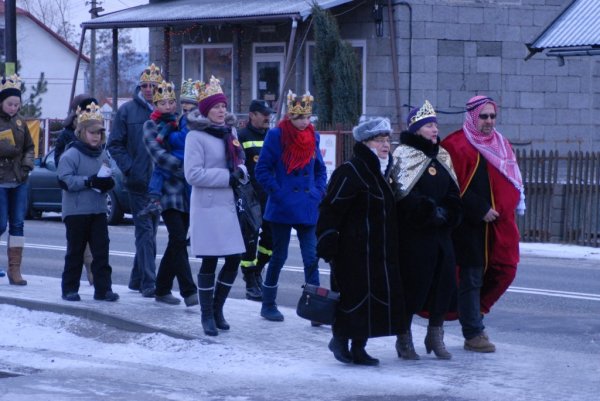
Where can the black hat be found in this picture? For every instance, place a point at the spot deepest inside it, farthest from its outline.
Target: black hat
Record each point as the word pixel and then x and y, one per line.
pixel 261 106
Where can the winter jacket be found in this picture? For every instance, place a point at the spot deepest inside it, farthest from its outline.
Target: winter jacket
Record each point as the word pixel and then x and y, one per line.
pixel 74 168
pixel 357 231
pixel 252 140
pixel 214 226
pixel 174 190
pixel 292 198
pixel 126 144
pixel 65 138
pixel 16 161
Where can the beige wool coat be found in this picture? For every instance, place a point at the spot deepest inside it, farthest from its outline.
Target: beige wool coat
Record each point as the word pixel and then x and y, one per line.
pixel 214 225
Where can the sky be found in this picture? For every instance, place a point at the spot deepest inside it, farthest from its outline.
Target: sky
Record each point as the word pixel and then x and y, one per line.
pixel 66 358
pixel 80 12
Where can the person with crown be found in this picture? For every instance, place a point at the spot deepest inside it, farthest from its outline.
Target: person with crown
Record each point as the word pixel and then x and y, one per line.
pixel 487 241
pixel 428 209
pixel 188 97
pixel 214 163
pixel 126 146
pixel 85 176
pixel 16 161
pixel 291 171
pixel 169 193
pixel 358 235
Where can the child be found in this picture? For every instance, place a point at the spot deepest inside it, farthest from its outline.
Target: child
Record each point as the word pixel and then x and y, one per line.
pixel 84 175
pixel 166 124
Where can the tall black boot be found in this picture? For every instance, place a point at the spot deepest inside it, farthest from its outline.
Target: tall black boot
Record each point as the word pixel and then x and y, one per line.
pixel 224 283
pixel 206 288
pixel 253 291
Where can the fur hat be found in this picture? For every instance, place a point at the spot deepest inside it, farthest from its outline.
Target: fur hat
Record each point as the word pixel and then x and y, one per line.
pixel 371 128
pixel 420 116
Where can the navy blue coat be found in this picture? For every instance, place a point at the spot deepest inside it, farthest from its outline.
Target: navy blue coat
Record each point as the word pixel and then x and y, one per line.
pixel 292 198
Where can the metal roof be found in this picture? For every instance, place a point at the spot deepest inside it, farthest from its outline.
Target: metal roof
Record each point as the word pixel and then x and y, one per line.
pixel 575 29
pixel 183 12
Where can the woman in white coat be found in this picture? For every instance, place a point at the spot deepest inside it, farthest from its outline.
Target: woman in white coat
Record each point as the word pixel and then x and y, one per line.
pixel 213 163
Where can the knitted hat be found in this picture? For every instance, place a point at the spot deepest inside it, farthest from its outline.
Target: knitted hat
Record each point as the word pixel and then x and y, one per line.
pixel 209 95
pixel 371 128
pixel 10 86
pixel 419 117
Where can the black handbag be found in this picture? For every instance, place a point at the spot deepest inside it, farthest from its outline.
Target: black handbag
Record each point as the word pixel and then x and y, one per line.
pixel 317 304
pixel 249 212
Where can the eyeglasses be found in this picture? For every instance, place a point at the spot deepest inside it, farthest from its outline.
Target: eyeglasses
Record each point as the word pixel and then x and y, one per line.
pixel 147 86
pixel 486 116
pixel 382 141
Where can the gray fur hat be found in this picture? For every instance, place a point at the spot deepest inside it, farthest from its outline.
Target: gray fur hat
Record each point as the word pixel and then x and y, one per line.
pixel 371 128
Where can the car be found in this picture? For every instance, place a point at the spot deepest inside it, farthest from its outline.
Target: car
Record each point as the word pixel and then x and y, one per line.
pixel 45 194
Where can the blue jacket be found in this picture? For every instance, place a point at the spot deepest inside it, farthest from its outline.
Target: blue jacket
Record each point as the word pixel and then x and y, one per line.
pixel 292 198
pixel 126 144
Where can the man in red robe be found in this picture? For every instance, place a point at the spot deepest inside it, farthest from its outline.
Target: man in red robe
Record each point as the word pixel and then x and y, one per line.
pixel 487 241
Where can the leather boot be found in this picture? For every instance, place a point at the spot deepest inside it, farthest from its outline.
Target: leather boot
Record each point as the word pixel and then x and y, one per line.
pixel 269 308
pixel 206 287
pixel 87 262
pixel 14 251
pixel 224 283
pixel 360 356
pixel 405 347
pixel 434 341
pixel 253 291
pixel 339 346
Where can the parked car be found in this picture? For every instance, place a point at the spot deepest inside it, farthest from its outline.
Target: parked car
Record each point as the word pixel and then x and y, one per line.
pixel 45 195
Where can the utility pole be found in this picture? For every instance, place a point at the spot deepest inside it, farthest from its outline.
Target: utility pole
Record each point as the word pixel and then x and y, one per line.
pixel 10 36
pixel 94 12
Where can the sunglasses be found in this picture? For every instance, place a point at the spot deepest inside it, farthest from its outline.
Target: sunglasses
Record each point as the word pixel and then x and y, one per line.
pixel 486 116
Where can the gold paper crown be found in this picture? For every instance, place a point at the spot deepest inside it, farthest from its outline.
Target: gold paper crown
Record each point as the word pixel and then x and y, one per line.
pixel 151 75
pixel 12 81
pixel 426 111
pixel 190 90
pixel 163 91
pixel 90 113
pixel 299 106
pixel 212 88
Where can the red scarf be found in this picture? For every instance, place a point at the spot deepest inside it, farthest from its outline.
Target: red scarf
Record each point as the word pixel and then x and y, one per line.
pixel 298 145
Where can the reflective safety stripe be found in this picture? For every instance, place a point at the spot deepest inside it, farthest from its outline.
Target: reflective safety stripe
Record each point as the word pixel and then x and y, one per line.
pixel 264 250
pixel 253 144
pixel 248 263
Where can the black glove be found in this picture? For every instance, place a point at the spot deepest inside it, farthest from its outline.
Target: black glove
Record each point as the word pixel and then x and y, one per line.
pixel 235 177
pixel 104 184
pixel 439 217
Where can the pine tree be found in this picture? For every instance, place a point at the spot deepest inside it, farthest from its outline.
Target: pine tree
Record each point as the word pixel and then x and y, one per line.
pixel 33 106
pixel 335 72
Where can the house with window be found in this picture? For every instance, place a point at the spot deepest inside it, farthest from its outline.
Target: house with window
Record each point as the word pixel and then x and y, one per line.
pixel 445 51
pixel 40 50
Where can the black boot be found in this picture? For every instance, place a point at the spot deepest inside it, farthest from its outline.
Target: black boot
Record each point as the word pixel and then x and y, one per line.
pixel 360 356
pixel 206 286
pixel 224 283
pixel 253 291
pixel 339 346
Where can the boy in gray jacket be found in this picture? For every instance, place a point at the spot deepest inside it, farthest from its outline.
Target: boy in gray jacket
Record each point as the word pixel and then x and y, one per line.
pixel 84 175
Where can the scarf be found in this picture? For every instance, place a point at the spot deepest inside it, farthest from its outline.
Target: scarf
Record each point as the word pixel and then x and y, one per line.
pixel 494 147
pixel 298 145
pixel 165 123
pixel 86 149
pixel 234 154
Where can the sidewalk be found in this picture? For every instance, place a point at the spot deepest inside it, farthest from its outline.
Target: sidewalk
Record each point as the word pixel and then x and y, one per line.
pixel 261 360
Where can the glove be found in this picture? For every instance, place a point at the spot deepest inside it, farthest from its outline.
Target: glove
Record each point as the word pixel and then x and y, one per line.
pixel 439 217
pixel 236 177
pixel 104 184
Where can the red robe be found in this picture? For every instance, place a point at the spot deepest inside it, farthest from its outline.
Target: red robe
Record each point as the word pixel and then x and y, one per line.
pixel 502 235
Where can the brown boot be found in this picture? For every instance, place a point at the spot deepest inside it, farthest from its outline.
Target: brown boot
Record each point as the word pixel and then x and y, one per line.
pixel 15 254
pixel 87 262
pixel 480 343
pixel 434 341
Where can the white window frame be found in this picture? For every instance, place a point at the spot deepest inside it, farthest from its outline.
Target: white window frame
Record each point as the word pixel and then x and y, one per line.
pixel 355 43
pixel 202 72
pixel 267 57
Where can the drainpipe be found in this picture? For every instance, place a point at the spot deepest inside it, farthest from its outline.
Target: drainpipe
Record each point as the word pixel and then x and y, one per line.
pixel 288 62
pixel 395 57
